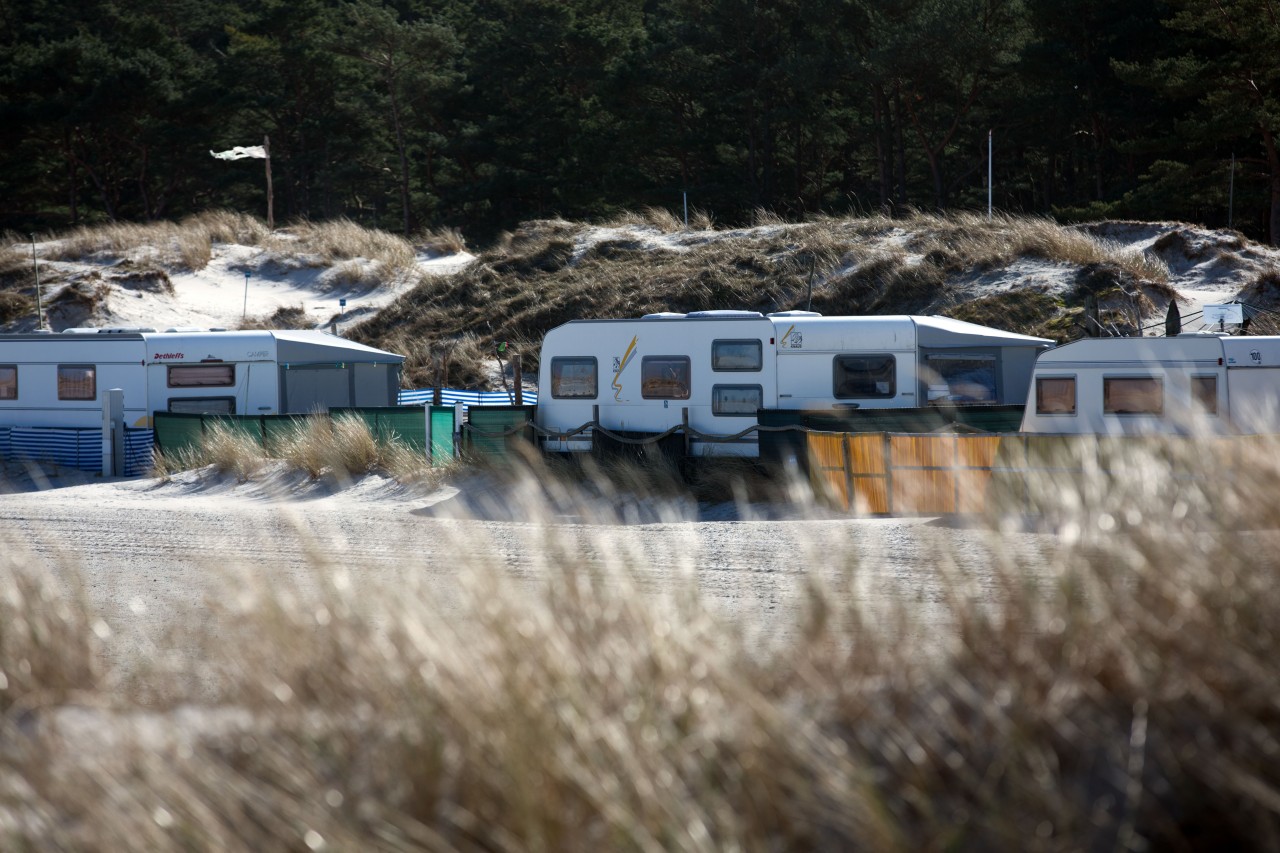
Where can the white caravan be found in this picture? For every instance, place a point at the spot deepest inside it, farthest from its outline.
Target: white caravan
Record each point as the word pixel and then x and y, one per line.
pixel 1197 382
pixel 718 368
pixel 57 379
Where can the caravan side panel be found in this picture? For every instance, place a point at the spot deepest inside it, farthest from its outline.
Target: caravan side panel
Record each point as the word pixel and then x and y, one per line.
pixel 267 372
pixel 1130 386
pixel 846 362
pixel 88 366
pixel 643 376
pixel 212 372
pixel 1255 399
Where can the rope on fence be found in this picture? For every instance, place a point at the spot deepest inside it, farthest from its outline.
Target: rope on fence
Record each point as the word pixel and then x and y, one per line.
pixel 652 439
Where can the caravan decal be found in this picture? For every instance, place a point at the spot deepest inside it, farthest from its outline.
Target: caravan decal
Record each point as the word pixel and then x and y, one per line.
pixel 619 365
pixel 794 341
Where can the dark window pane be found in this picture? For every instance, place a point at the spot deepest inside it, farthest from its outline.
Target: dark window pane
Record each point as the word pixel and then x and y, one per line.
pixel 9 382
pixel 1204 390
pixel 1056 395
pixel 202 375
pixel 77 382
pixel 736 355
pixel 1124 395
pixel 736 399
pixel 665 377
pixel 860 376
pixel 573 377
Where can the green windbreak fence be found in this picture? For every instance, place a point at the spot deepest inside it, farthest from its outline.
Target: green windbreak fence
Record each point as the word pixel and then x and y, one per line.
pixel 176 432
pixel 495 431
pixel 404 425
pixel 442 420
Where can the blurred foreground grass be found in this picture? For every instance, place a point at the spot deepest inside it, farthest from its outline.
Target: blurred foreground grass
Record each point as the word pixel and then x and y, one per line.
pixel 1131 703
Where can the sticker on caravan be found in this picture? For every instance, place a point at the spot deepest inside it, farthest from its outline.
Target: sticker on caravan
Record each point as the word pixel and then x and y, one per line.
pixel 619 365
pixel 792 339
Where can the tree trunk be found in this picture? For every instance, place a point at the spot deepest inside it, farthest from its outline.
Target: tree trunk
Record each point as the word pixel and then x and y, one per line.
pixel 900 143
pixel 884 145
pixel 1273 165
pixel 73 177
pixel 405 222
pixel 147 212
pixel 1275 209
pixel 935 169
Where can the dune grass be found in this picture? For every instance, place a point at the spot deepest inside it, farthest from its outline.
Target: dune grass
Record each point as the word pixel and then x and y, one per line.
pixel 183 245
pixel 189 244
pixel 286 317
pixel 341 241
pixel 548 272
pixel 1113 687
pixel 441 241
pixel 342 448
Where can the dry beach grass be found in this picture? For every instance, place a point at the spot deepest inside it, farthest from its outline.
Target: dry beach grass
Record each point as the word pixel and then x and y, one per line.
pixel 1126 700
pixel 549 272
pixel 342 448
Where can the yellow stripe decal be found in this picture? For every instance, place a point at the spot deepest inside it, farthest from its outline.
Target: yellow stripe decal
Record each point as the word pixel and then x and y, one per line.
pixel 626 359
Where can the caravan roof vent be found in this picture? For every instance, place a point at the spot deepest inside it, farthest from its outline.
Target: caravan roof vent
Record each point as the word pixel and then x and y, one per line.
pixel 721 315
pixel 794 314
pixel 663 315
pixel 172 329
pixel 117 330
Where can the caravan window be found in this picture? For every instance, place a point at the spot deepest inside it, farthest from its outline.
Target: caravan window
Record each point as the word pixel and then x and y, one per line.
pixel 736 399
pixel 1204 390
pixel 737 355
pixel 967 378
pixel 1055 395
pixel 573 377
pixel 1132 395
pixel 202 375
pixel 8 381
pixel 864 376
pixel 77 382
pixel 665 377
pixel 203 405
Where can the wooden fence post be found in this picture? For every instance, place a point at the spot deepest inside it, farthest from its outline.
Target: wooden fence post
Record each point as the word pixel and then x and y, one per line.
pixel 886 450
pixel 517 379
pixel 847 452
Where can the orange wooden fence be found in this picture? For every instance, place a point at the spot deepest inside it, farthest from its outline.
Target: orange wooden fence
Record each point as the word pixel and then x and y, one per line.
pixel 938 474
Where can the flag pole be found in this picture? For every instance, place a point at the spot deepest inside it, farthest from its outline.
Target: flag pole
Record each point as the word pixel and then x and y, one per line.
pixel 990 151
pixel 271 221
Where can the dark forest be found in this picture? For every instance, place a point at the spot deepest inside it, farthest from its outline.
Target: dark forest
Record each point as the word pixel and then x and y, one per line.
pixel 479 114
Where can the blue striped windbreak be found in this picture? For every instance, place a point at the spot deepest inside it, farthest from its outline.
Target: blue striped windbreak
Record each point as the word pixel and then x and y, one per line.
pixel 452 396
pixel 76 448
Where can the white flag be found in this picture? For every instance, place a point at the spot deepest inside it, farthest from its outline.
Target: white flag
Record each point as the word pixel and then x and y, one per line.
pixel 240 152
